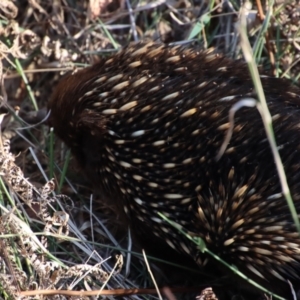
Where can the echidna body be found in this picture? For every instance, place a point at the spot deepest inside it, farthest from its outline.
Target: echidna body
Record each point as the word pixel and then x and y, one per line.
pixel 146 125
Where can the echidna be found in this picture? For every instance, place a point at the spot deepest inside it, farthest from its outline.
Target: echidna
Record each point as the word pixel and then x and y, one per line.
pixel 146 125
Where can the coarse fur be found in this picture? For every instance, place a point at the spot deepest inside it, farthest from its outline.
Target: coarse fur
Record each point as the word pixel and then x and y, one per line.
pixel 146 125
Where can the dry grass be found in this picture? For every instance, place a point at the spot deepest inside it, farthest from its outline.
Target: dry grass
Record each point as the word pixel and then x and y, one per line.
pixel 51 242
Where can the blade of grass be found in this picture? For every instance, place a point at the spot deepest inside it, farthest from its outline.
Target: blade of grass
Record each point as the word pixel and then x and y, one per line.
pixel 202 246
pixel 51 153
pixel 64 170
pixel 20 70
pixel 266 116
